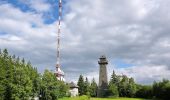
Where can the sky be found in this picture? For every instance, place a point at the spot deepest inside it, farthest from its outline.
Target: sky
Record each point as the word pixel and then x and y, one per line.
pixel 133 34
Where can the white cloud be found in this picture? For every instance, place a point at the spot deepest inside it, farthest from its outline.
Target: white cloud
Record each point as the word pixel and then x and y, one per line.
pixel 22 39
pixel 146 74
pixel 135 31
pixel 38 5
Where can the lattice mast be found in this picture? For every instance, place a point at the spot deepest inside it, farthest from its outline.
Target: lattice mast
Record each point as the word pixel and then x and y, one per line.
pixel 59 72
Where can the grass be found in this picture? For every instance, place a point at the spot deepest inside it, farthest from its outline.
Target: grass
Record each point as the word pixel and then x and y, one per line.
pixel 76 98
pixel 117 99
pixel 86 98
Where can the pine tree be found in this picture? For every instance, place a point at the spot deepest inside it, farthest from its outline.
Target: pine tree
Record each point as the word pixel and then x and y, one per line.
pixel 114 85
pixel 19 80
pixel 93 88
pixel 81 85
pixel 86 87
pixel 123 86
pixel 113 90
pixel 131 88
pixel 114 79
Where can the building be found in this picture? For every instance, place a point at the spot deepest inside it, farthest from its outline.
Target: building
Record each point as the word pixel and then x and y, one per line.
pixel 59 74
pixel 103 82
pixel 73 89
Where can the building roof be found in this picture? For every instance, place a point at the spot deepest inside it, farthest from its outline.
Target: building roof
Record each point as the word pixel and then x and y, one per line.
pixel 73 85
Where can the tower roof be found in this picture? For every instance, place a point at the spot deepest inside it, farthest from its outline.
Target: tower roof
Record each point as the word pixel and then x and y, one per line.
pixel 103 60
pixel 102 57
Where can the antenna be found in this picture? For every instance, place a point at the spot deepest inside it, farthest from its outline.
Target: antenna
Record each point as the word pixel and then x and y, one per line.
pixel 59 72
pixel 58 33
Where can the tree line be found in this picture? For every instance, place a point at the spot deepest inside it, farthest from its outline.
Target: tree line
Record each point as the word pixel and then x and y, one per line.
pixel 86 87
pixel 123 86
pixel 19 80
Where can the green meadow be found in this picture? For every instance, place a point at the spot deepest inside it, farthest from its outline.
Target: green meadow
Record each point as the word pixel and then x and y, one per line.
pixel 117 99
pixel 86 98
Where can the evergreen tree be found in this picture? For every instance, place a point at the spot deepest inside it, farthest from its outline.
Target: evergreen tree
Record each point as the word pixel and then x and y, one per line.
pixel 113 90
pixel 123 86
pixel 93 88
pixel 81 85
pixel 114 79
pixel 86 87
pixel 19 80
pixel 113 85
pixel 160 89
pixel 144 91
pixel 131 88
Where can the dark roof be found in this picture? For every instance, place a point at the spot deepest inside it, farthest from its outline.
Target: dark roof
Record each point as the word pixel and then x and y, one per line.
pixel 73 85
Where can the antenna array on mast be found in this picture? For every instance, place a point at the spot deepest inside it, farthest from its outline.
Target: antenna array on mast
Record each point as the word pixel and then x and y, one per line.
pixel 59 73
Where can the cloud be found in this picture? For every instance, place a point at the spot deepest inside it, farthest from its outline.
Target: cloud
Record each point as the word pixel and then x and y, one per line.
pixel 136 32
pixel 38 5
pixel 146 74
pixel 24 39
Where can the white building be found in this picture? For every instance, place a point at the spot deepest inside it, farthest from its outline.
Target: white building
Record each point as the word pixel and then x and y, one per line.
pixel 73 89
pixel 59 74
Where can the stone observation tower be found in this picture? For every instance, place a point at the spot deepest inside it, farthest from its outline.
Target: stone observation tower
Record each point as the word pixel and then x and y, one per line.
pixel 103 83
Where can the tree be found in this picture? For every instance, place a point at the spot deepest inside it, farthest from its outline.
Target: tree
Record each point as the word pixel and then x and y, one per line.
pixel 51 88
pixel 114 79
pixel 144 91
pixel 113 90
pixel 131 88
pixel 81 85
pixel 19 80
pixel 93 88
pixel 167 91
pixel 161 89
pixel 113 85
pixel 22 85
pixel 86 87
pixel 123 85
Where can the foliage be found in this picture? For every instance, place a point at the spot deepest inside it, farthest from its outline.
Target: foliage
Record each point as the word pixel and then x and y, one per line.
pixel 162 89
pixel 93 88
pixel 144 91
pixel 16 77
pixel 121 86
pixel 113 90
pixel 19 80
pixel 87 87
pixel 51 88
pixel 81 85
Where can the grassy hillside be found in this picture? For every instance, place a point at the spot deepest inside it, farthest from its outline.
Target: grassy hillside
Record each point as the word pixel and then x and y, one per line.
pixel 86 98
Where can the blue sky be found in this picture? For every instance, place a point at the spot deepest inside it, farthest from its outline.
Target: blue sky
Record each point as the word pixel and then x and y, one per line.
pixel 49 16
pixel 134 35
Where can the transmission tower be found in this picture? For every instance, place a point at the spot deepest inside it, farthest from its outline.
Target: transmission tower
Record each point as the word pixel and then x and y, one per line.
pixel 59 73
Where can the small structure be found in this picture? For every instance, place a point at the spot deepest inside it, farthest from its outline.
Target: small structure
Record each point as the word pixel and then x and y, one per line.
pixel 59 74
pixel 73 89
